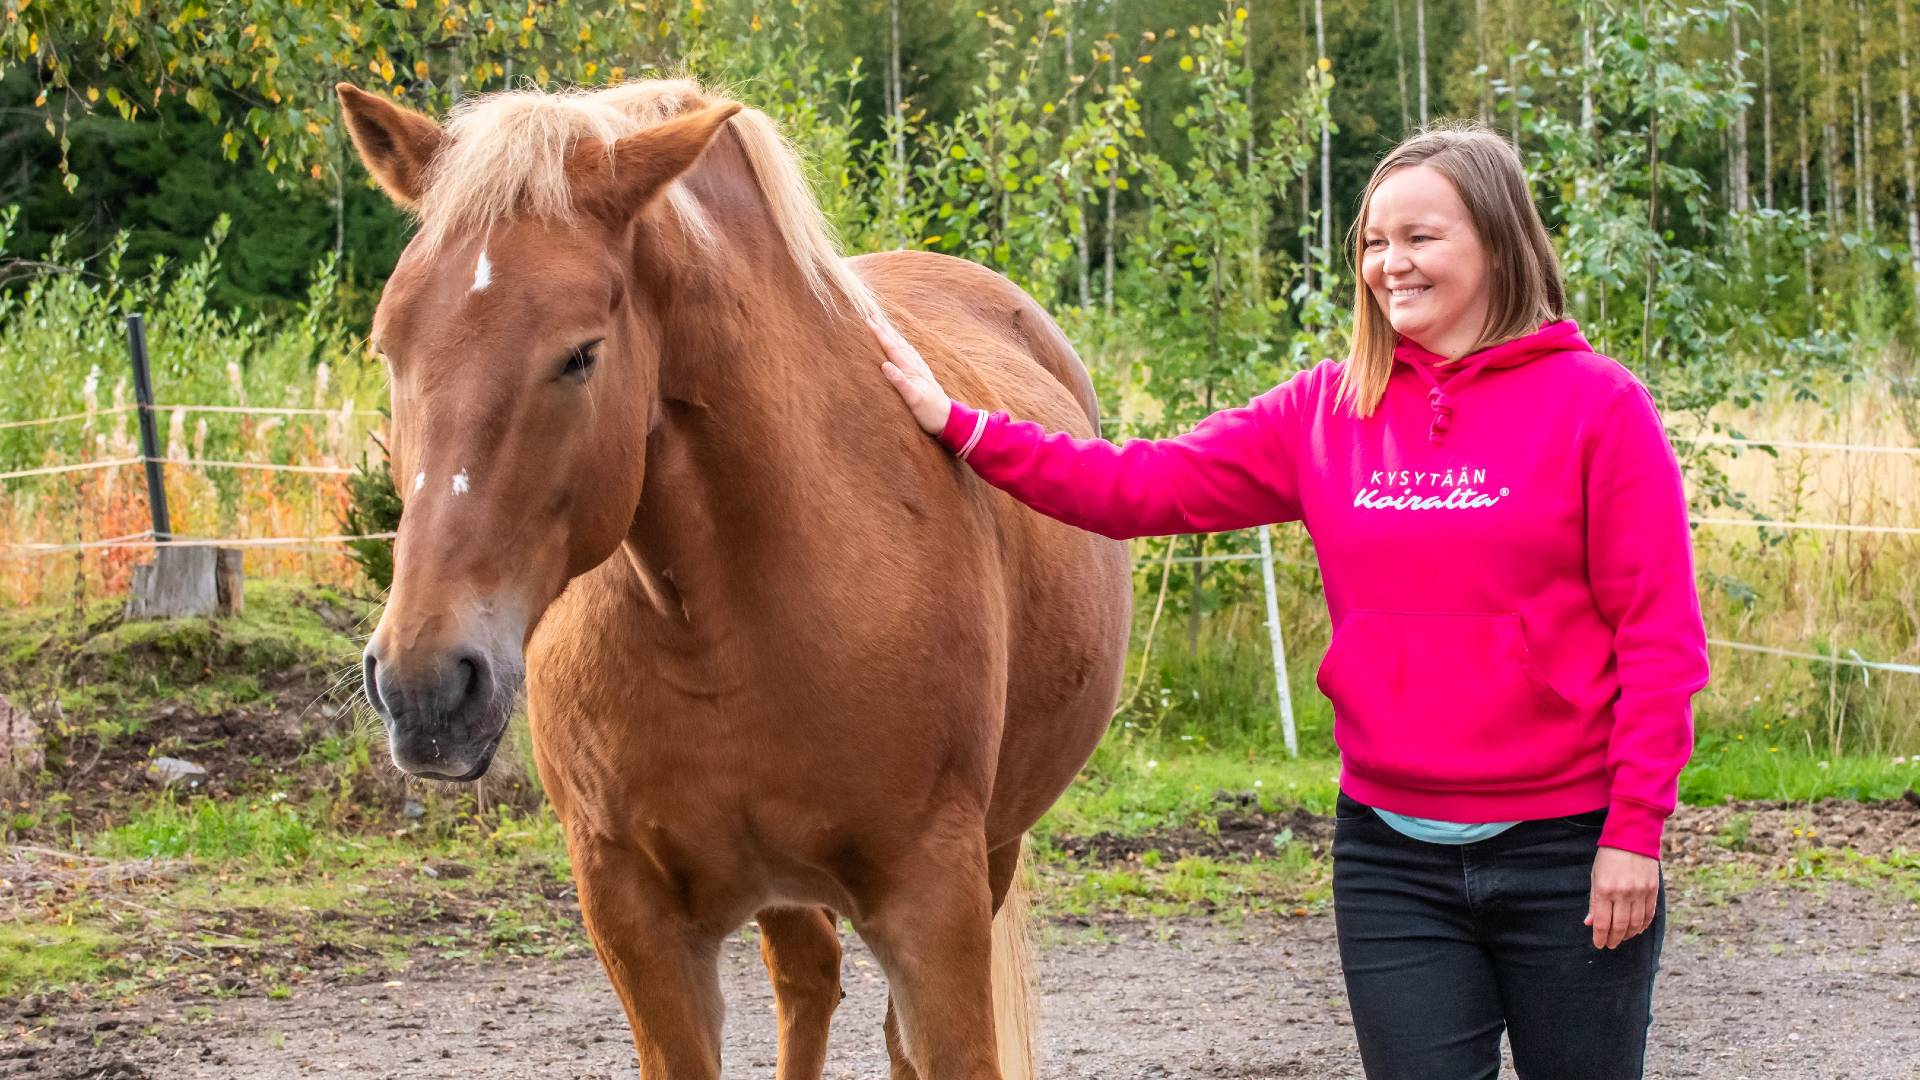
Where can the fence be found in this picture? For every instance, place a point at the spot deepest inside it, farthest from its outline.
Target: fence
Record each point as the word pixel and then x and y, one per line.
pixel 161 534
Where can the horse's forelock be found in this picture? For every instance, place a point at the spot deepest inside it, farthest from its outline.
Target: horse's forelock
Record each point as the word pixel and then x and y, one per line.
pixel 507 155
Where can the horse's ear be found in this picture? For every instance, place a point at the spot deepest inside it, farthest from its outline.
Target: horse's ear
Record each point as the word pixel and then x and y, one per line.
pixel 396 143
pixel 641 165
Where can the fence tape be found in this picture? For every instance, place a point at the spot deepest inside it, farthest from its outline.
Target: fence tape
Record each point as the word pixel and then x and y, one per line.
pixel 111 410
pixel 1853 661
pixel 56 470
pixel 1824 526
pixel 198 463
pixel 1791 444
pixel 145 539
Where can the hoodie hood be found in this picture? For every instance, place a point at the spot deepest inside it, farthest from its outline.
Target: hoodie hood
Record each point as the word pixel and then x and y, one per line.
pixel 1444 383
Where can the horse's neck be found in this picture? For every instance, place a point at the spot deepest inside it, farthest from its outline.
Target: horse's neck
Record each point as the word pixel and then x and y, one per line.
pixel 761 431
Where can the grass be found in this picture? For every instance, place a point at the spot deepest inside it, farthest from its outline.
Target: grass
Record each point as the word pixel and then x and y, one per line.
pixel 1134 787
pixel 270 834
pixel 36 956
pixel 1766 765
pixel 296 868
pixel 277 886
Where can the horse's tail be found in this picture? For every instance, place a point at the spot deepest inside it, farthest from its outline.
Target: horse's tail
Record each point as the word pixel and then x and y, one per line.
pixel 1013 978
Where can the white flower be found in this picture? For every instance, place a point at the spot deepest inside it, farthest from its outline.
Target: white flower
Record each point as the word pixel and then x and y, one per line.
pixel 1152 764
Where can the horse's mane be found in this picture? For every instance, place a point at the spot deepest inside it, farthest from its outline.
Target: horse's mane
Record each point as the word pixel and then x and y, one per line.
pixel 506 154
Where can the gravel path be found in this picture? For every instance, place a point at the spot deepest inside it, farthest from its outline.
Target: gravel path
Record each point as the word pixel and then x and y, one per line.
pixel 1792 983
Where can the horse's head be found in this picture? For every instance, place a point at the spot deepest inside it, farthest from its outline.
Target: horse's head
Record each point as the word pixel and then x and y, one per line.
pixel 525 356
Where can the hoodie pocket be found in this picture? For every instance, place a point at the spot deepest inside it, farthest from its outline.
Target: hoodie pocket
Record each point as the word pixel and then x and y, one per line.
pixel 1443 700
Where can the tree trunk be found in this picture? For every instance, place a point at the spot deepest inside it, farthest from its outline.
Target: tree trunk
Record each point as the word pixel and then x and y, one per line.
pixel 1806 151
pixel 1420 40
pixel 1306 182
pixel 1083 258
pixel 1513 99
pixel 1480 47
pixel 1766 104
pixel 1653 225
pixel 1737 164
pixel 1863 167
pixel 1326 141
pixel 1829 131
pixel 1113 190
pixel 1400 68
pixel 1907 154
pixel 1586 71
pixel 1257 239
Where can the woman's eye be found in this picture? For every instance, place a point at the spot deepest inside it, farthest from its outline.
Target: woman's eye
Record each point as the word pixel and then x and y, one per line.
pixel 1419 238
pixel 1376 242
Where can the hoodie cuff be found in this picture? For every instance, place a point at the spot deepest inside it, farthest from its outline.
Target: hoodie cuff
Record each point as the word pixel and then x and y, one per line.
pixel 964 427
pixel 1634 826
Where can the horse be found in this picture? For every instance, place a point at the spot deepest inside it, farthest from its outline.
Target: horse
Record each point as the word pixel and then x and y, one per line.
pixel 784 658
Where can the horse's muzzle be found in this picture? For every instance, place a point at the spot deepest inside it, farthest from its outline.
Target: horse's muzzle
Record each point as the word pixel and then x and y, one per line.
pixel 444 717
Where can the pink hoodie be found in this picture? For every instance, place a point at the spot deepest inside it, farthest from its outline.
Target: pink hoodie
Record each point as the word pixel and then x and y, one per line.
pixel 1506 557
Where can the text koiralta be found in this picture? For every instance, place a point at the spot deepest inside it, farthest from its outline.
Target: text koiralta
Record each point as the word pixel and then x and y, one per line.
pixel 1461 490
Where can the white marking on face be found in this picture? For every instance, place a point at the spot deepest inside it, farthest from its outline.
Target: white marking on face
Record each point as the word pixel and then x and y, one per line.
pixel 482 273
pixel 460 483
pixel 419 481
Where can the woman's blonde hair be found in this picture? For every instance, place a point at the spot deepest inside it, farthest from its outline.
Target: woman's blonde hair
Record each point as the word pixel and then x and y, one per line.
pixel 1523 274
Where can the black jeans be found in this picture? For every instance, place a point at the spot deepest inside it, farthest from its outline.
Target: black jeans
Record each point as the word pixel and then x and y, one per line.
pixel 1446 945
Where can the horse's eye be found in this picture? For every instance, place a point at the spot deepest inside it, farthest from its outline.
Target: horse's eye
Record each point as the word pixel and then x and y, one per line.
pixel 581 360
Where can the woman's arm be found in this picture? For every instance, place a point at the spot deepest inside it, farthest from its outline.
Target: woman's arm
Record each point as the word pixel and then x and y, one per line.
pixel 1640 566
pixel 1233 471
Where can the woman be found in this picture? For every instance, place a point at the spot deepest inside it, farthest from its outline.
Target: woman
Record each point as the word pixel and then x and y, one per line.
pixel 1503 538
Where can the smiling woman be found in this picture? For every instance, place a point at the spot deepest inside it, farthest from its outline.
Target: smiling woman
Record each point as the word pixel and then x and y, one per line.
pixel 1503 538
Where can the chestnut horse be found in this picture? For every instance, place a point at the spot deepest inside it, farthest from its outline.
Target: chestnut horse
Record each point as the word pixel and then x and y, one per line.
pixel 785 658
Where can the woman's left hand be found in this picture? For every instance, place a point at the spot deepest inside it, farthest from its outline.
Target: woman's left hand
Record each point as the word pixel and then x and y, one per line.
pixel 1626 892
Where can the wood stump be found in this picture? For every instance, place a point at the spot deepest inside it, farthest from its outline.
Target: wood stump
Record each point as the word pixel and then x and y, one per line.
pixel 188 581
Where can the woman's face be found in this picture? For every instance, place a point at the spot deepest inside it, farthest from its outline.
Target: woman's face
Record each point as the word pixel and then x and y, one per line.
pixel 1423 262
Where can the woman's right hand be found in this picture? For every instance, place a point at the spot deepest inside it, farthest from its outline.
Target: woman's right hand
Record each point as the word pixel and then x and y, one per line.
pixel 911 376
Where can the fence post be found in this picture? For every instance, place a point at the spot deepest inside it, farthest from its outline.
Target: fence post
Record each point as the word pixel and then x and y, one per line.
pixel 1279 646
pixel 149 438
pixel 180 581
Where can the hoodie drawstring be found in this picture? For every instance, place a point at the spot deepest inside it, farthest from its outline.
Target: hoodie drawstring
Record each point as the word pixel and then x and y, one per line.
pixel 1440 396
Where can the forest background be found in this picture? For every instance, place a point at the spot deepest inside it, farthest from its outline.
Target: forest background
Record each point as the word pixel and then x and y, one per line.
pixel 1731 188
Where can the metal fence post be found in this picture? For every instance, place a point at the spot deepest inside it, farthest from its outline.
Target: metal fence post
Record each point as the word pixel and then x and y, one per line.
pixel 149 438
pixel 1279 646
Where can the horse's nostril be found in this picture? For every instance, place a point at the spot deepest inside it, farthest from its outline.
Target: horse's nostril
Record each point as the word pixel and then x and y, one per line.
pixel 370 680
pixel 470 681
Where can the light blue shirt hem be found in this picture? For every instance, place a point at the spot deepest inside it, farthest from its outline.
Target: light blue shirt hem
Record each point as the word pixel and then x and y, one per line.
pixel 1434 831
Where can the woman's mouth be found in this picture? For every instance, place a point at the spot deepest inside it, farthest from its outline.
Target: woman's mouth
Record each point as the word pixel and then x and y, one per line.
pixel 1410 293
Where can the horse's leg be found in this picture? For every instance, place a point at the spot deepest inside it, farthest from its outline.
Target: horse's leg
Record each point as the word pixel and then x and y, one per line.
pixel 802 949
pixel 932 932
pixel 665 969
pixel 1002 863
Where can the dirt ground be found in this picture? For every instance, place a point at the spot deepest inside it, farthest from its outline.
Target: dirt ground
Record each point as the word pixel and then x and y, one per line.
pixel 1799 983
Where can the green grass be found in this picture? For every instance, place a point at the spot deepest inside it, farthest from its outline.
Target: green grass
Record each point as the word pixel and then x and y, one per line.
pixel 1135 786
pixel 265 833
pixel 1767 764
pixel 34 956
pixel 1294 881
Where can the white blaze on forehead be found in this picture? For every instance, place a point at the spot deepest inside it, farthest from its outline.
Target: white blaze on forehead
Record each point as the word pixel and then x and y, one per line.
pixel 419 480
pixel 460 483
pixel 482 273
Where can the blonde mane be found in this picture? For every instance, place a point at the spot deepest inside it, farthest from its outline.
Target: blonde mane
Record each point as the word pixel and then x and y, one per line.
pixel 506 154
